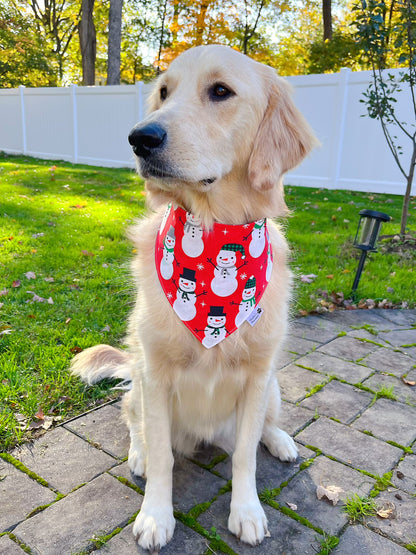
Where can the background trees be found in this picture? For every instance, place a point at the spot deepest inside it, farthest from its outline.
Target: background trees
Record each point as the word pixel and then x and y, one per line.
pixel 56 42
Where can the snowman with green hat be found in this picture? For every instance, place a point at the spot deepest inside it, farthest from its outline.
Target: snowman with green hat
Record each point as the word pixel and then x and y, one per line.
pixel 225 270
pixel 248 301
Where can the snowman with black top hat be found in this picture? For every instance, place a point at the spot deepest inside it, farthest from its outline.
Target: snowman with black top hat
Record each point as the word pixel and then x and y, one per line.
pixel 184 304
pixel 215 330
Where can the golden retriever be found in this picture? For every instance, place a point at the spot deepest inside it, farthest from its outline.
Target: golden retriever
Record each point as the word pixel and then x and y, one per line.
pixel 221 132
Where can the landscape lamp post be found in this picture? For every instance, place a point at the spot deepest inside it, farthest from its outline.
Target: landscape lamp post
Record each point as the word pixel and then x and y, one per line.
pixel 366 237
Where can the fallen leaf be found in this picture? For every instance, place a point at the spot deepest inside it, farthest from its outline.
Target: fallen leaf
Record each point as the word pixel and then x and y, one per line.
pixel 292 506
pixel 400 475
pixel 3 292
pixel 330 492
pixel 30 275
pixel 87 253
pixel 106 328
pixel 408 382
pixel 49 279
pixel 330 276
pixel 16 283
pixel 67 320
pixel 76 349
pixel 308 278
pixel 387 510
pixel 6 332
pixel 37 235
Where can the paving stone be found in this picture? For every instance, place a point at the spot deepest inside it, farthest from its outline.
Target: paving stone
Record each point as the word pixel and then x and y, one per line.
pixel 350 446
pixel 185 541
pixel 387 360
pixel 358 540
pixel 359 318
pixel 299 346
pixel 364 334
pixel 338 400
pixel 293 418
pixel 104 427
pixel 348 348
pixel 67 526
pixel 400 317
pixel 324 472
pixel 333 366
pixel 403 393
pixel 63 459
pixel 286 535
pixel 316 328
pixel 9 547
pixel 207 454
pixel 401 526
pixel 296 382
pixel 19 496
pixel 400 338
pixel 272 472
pixel 404 477
pixel 191 484
pixel 389 420
pixel 285 358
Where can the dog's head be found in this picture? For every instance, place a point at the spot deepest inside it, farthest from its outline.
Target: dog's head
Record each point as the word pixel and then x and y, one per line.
pixel 222 130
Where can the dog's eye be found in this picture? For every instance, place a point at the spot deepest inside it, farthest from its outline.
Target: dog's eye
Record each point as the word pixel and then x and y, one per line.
pixel 219 92
pixel 163 93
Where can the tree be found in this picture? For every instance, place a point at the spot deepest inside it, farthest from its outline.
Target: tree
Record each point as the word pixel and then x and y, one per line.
pixel 114 42
pixel 87 41
pixel 384 29
pixel 327 19
pixel 23 60
pixel 55 20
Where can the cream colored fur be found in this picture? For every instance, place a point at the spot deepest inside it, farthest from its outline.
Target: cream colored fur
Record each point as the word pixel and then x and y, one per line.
pixel 183 393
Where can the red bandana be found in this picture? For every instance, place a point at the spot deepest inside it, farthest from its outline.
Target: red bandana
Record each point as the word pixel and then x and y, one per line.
pixel 213 280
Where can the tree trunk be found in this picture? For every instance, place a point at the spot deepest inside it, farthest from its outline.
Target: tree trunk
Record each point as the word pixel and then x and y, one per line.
pixel 327 19
pixel 87 42
pixel 114 42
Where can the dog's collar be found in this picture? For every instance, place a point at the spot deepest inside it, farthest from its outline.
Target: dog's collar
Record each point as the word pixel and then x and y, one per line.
pixel 225 270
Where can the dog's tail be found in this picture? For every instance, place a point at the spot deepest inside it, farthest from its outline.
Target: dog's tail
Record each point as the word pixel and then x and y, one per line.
pixel 102 361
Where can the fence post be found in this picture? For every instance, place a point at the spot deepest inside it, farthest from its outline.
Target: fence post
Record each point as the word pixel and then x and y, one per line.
pixel 23 114
pixel 339 134
pixel 73 91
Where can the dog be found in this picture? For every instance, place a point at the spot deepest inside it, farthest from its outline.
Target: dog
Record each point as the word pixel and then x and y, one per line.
pixel 221 131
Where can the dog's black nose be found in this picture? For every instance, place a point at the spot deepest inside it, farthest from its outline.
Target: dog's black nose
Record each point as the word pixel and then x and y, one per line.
pixel 144 140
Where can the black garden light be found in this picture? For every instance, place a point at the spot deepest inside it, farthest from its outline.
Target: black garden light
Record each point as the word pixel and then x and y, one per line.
pixel 366 238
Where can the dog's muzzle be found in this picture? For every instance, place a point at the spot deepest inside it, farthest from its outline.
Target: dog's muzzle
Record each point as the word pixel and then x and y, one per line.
pixel 146 140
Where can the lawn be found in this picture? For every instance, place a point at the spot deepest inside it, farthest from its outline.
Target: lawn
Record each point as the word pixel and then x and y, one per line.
pixel 64 275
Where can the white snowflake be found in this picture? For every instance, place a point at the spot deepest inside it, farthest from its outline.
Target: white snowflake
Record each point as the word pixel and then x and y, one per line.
pixel 169 295
pixel 243 276
pixel 200 266
pixel 245 226
pixel 225 231
pixel 203 304
pixel 203 283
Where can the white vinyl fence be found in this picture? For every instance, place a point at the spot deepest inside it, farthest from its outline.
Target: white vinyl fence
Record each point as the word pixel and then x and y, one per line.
pixel 89 125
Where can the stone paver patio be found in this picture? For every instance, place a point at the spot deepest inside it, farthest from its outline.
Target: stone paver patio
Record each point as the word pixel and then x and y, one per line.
pixel 345 401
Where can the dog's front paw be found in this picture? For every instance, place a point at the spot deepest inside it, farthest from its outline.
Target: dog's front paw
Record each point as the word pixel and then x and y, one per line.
pixel 154 527
pixel 280 444
pixel 248 522
pixel 137 461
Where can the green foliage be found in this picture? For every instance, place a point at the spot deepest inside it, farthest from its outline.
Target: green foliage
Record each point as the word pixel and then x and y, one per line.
pixel 358 507
pixel 23 60
pixel 331 56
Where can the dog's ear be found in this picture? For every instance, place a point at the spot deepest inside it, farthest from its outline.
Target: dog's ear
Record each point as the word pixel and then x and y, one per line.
pixel 283 138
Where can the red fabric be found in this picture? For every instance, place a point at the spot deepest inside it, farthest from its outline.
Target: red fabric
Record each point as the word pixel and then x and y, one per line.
pixel 213 280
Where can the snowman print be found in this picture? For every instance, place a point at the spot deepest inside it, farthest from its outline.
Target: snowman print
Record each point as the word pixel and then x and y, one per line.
pixel 166 264
pixel 184 305
pixel 215 330
pixel 258 239
pixel 225 270
pixel 192 243
pixel 248 301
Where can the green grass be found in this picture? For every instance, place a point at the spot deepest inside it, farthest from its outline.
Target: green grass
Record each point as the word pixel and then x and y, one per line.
pixel 66 224
pixel 358 508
